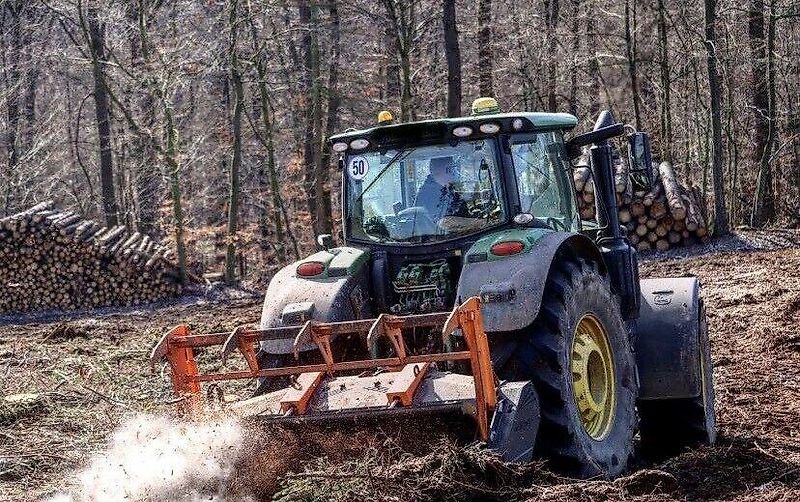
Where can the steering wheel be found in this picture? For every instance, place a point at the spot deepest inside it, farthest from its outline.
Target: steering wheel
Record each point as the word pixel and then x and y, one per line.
pixel 418 220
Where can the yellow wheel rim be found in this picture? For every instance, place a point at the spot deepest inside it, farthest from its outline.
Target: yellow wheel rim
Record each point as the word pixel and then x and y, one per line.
pixel 593 382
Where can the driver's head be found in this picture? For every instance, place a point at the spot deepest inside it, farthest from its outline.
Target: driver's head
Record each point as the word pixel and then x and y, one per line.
pixel 443 170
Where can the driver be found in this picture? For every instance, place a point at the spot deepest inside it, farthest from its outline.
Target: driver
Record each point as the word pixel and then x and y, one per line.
pixel 437 194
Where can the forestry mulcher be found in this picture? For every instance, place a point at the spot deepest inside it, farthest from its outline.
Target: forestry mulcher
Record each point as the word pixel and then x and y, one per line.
pixel 465 283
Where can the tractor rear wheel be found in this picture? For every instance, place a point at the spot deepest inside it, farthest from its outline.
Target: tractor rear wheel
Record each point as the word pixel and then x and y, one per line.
pixel 578 354
pixel 667 425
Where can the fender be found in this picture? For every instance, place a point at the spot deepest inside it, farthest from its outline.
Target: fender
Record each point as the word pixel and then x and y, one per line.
pixel 511 287
pixel 339 293
pixel 668 338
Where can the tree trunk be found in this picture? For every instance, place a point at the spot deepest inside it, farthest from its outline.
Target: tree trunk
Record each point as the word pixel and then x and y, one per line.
pixel 630 45
pixel 236 162
pixel 311 82
pixel 12 59
pixel 453 55
pixel 147 188
pixel 393 90
pixel 593 63
pixel 401 19
pixel 720 209
pixel 268 176
pixel 485 63
pixel 174 173
pixel 575 56
pixel 324 168
pixel 765 132
pixel 551 22
pixel 666 100
pixel 97 45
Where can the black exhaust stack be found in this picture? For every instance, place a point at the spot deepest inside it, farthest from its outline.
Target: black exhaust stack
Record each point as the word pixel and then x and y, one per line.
pixel 603 174
pixel 618 254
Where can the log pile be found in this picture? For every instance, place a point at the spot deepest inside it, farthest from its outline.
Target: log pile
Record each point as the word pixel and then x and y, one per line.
pixel 56 259
pixel 664 216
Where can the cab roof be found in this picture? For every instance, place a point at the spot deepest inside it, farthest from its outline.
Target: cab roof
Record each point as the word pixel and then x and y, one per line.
pixel 442 129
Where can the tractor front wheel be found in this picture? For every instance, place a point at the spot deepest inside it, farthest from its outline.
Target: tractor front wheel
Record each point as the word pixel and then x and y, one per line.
pixel 578 354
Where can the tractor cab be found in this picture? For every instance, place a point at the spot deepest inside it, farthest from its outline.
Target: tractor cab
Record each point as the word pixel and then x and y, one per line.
pixel 444 182
pixel 420 195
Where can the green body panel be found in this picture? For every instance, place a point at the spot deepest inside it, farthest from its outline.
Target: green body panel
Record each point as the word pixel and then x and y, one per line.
pixel 338 262
pixel 528 237
pixel 537 120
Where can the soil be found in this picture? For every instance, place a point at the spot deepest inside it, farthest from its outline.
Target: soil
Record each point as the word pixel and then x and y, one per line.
pixel 66 384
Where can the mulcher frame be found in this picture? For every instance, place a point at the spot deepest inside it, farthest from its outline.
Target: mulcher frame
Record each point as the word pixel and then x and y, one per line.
pixel 178 344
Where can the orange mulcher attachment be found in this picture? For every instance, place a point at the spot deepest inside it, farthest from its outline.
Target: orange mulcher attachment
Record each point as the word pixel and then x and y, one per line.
pixel 400 384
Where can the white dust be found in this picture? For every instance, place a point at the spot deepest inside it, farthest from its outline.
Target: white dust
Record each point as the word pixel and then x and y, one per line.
pixel 155 458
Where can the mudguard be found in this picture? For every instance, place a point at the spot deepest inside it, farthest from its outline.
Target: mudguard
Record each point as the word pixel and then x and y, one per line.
pixel 340 293
pixel 511 287
pixel 668 338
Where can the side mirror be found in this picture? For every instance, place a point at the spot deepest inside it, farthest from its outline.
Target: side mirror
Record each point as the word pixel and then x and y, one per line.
pixel 640 158
pixel 325 241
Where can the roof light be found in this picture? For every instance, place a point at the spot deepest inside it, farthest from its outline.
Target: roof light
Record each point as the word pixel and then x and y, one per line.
pixel 385 117
pixel 485 105
pixel 489 127
pixel 359 144
pixel 462 131
pixel 339 147
pixel 507 248
pixel 310 269
pixel 517 124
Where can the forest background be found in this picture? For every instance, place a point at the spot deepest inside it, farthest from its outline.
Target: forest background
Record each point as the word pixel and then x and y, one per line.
pixel 204 123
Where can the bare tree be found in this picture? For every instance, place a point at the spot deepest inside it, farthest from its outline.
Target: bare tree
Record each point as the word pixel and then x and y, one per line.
pixel 236 123
pixel 666 85
pixel 720 209
pixel 453 55
pixel 485 63
pixel 551 8
pixel 94 31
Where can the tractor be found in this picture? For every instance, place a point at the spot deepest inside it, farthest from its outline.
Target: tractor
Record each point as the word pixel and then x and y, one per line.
pixel 466 283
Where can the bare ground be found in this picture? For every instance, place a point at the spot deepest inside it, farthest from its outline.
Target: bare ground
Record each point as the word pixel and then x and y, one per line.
pixel 89 375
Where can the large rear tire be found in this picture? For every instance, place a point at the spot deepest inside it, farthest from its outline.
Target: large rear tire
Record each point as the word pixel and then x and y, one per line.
pixel 578 354
pixel 668 425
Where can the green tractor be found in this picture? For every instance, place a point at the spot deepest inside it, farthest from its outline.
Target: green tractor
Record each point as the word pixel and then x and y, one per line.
pixel 465 282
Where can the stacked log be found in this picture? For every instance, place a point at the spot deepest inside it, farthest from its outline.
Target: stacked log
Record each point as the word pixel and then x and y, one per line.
pixel 664 216
pixel 52 259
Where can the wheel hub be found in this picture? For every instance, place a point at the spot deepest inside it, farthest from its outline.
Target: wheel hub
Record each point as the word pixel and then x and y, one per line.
pixel 593 382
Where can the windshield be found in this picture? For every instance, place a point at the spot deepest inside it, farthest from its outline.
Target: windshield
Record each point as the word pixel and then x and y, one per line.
pixel 423 194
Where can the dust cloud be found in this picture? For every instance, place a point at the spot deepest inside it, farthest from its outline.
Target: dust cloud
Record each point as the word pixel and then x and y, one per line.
pixel 156 458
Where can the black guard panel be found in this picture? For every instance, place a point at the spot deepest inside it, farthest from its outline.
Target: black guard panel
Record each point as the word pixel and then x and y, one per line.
pixel 667 339
pixel 511 288
pixel 515 423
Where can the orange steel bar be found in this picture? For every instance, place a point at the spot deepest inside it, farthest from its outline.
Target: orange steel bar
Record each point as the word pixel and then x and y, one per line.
pixel 183 366
pixel 467 317
pixel 402 391
pixel 363 364
pixel 299 395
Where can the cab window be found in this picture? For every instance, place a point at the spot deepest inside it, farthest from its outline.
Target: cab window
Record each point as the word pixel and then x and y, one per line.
pixel 542 172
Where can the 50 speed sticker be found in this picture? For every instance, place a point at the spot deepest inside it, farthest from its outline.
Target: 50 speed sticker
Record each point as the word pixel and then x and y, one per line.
pixel 358 167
